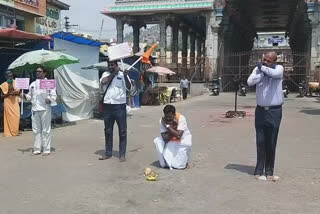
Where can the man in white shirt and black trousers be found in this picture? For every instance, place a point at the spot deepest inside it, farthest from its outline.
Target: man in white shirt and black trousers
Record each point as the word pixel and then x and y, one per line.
pixel 267 77
pixel 114 108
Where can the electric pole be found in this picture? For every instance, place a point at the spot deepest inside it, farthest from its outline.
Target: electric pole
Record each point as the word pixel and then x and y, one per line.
pixel 101 29
pixel 67 24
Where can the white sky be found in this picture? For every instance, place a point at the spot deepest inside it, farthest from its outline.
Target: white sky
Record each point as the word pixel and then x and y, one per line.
pixel 87 15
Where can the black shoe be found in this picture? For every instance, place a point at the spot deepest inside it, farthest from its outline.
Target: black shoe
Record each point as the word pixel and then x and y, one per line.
pixel 105 157
pixel 122 159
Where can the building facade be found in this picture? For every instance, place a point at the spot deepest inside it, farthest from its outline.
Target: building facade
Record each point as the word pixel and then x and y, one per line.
pixel 7 12
pixel 51 23
pixel 34 16
pixel 220 30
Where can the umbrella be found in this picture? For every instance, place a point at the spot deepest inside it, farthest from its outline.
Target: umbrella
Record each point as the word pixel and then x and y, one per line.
pixel 49 59
pixel 104 66
pixel 161 70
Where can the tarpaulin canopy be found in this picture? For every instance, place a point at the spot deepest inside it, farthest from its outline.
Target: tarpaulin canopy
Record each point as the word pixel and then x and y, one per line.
pixel 11 33
pixel 76 39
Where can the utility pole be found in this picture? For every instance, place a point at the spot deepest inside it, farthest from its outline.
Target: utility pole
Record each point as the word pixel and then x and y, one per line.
pixel 101 29
pixel 67 24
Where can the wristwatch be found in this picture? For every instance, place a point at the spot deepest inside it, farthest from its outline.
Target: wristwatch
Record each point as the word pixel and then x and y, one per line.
pixel 167 125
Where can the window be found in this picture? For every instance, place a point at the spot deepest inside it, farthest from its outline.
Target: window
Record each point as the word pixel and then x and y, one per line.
pixel 20 24
pixel 1 21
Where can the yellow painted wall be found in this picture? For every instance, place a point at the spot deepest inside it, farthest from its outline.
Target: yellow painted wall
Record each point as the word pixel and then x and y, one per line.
pixel 29 23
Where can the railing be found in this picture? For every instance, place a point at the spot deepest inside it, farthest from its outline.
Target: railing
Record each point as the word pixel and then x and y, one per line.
pixel 240 65
pixel 192 67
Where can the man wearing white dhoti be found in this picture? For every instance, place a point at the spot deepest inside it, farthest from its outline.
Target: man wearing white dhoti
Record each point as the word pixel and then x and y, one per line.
pixel 174 145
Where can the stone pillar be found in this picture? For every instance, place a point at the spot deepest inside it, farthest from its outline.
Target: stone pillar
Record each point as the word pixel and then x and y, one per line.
pixel 192 52
pixel 212 45
pixel 314 16
pixel 199 54
pixel 120 25
pixel 136 37
pixel 174 43
pixel 205 61
pixel 163 40
pixel 184 52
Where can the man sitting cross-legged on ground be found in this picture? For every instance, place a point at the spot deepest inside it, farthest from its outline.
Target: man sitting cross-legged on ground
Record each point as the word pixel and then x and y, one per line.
pixel 174 145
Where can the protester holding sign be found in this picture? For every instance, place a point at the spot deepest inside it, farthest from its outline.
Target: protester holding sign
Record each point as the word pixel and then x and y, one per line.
pixel 115 85
pixel 41 96
pixel 11 106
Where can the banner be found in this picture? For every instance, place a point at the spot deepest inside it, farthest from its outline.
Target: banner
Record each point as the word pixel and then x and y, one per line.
pixel 33 3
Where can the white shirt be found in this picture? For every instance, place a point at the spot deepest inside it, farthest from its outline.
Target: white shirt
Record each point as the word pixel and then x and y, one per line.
pixel 116 93
pixel 184 83
pixel 182 126
pixel 38 96
pixel 268 83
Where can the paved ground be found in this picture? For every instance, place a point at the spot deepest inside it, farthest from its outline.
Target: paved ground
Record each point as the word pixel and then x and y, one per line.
pixel 72 180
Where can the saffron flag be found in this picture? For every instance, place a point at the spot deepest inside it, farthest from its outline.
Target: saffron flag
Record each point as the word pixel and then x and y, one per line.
pixel 146 55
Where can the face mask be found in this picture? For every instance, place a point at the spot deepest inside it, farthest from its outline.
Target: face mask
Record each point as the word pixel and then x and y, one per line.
pixel 9 80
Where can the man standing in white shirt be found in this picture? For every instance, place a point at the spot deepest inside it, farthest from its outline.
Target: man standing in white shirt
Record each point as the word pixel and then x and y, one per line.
pixel 184 85
pixel 114 108
pixel 41 113
pixel 267 77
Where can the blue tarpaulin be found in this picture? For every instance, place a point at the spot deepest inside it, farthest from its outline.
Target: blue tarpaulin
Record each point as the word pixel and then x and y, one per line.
pixel 77 39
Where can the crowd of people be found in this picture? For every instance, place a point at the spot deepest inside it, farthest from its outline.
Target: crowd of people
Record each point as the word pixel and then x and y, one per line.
pixel 174 144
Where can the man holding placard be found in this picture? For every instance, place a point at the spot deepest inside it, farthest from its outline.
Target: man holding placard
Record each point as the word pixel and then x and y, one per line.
pixel 42 94
pixel 11 112
pixel 115 85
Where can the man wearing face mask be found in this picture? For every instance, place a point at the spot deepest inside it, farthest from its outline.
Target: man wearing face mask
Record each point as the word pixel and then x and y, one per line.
pixel 41 113
pixel 115 84
pixel 267 77
pixel 11 111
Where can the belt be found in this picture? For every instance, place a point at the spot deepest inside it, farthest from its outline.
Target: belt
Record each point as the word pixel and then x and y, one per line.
pixel 267 108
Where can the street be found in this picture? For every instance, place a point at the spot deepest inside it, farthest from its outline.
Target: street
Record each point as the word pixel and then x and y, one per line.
pixel 73 180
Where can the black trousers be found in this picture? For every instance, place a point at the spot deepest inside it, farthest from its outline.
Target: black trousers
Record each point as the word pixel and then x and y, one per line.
pixel 267 123
pixel 115 113
pixel 184 93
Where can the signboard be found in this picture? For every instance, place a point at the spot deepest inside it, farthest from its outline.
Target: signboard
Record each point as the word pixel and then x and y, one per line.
pixel 33 3
pixel 22 83
pixel 119 51
pixel 275 40
pixel 48 84
pixel 9 3
pixel 49 24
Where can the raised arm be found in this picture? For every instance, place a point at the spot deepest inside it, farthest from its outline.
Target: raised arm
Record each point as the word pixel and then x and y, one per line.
pixel 276 72
pixel 255 77
pixel 107 77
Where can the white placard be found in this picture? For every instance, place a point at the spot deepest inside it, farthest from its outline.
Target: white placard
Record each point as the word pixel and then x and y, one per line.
pixel 22 83
pixel 119 51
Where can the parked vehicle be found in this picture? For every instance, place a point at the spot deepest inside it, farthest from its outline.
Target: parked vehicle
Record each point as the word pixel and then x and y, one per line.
pixel 215 87
pixel 302 89
pixel 285 90
pixel 242 91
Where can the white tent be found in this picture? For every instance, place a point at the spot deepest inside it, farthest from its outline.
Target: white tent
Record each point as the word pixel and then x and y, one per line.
pixel 78 88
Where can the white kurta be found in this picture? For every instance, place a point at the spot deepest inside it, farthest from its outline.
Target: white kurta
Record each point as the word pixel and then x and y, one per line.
pixel 175 154
pixel 41 116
